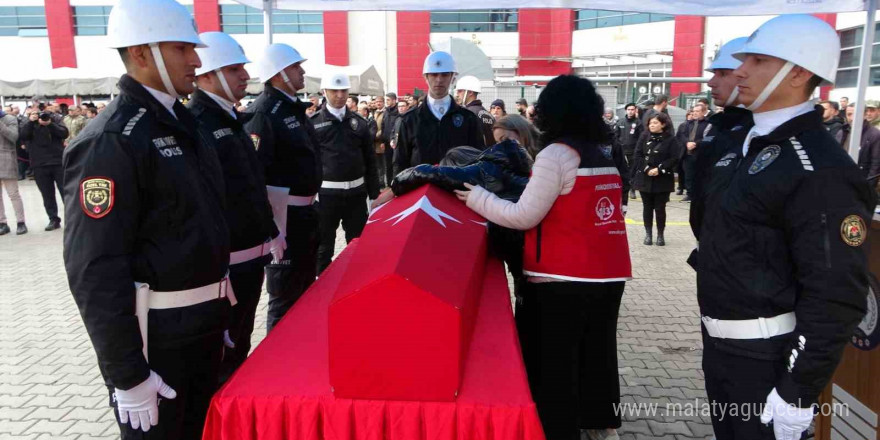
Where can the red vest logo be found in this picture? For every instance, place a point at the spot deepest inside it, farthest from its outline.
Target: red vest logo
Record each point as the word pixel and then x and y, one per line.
pixel 604 209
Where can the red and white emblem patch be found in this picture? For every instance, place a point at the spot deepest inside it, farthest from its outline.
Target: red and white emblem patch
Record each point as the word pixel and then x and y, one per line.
pixel 96 196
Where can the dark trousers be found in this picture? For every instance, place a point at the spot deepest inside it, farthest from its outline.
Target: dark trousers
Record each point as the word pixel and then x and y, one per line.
pixel 287 280
pixel 380 167
pixel 682 174
pixel 191 370
pixel 247 283
pixel 687 164
pixel 48 178
pixel 737 387
pixel 389 165
pixel 568 335
pixel 22 169
pixel 654 203
pixel 350 208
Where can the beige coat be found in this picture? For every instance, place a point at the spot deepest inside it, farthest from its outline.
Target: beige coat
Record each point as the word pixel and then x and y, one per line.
pixel 8 141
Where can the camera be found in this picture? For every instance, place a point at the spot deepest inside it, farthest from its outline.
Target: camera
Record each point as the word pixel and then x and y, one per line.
pixel 45 116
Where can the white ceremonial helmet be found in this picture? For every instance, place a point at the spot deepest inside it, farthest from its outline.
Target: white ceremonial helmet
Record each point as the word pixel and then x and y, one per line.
pixel 276 57
pixel 136 22
pixel 470 83
pixel 799 39
pixel 221 51
pixel 336 81
pixel 439 62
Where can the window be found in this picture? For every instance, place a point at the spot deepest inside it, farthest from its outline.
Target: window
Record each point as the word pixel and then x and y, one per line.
pixel 25 21
pixel 493 20
pixel 240 19
pixel 90 20
pixel 850 52
pixel 593 18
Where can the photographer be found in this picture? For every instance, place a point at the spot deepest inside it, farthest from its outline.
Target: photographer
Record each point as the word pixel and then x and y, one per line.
pixel 44 140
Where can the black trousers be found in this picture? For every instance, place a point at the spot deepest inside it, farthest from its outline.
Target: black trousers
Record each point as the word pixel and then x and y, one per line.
pixel 289 279
pixel 380 167
pixel 568 335
pixel 191 370
pixel 389 165
pixel 687 164
pixel 247 282
pixel 737 387
pixel 349 208
pixel 654 203
pixel 48 178
pixel 682 174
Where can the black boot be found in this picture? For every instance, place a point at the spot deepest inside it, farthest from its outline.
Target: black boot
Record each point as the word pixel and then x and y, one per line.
pixel 21 229
pixel 679 192
pixel 632 194
pixel 660 240
pixel 4 229
pixel 53 225
pixel 648 241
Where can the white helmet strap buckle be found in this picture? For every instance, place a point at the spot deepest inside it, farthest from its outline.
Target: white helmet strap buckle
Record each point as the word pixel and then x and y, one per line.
pixel 223 83
pixel 771 86
pixel 163 72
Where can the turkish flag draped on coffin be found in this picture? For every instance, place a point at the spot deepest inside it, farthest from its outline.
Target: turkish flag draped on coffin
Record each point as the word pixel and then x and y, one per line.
pixel 403 315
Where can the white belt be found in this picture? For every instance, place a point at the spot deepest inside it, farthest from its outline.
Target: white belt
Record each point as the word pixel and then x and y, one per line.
pixel 761 328
pixel 257 251
pixel 300 200
pixel 147 299
pixel 342 185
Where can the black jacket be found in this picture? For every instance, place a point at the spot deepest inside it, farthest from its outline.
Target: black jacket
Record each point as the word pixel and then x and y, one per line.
pixel 285 142
pixel 628 132
pixel 684 132
pixel 388 121
pixel 835 129
pixel 503 169
pixel 160 222
pixel 424 139
pixel 780 233
pixel 45 145
pixel 346 150
pixel 486 118
pixel 869 153
pixel 248 212
pixel 661 152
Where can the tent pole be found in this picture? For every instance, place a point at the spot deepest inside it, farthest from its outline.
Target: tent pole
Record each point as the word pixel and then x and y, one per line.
pixel 855 136
pixel 267 21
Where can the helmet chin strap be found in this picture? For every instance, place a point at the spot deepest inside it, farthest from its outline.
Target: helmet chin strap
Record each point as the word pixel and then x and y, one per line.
pixel 732 98
pixel 771 86
pixel 225 85
pixel 163 72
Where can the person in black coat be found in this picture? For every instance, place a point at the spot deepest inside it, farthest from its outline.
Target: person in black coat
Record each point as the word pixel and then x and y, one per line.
pixel 656 156
pixel 43 138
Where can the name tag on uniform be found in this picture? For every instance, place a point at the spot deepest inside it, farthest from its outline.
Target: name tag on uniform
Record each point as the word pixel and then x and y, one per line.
pixel 323 124
pixel 291 122
pixel 167 146
pixel 222 133
pixel 725 161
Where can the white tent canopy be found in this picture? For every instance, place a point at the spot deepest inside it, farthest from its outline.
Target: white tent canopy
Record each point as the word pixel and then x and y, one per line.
pixel 676 7
pixel 469 58
pixel 365 80
pixel 64 81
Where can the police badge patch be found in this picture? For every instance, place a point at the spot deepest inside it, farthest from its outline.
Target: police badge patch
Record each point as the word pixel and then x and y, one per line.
pixel 853 230
pixel 457 120
pixel 764 159
pixel 354 123
pixel 256 140
pixel 96 196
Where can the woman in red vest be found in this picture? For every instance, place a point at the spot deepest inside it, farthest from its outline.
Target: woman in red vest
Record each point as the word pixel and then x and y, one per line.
pixel 576 258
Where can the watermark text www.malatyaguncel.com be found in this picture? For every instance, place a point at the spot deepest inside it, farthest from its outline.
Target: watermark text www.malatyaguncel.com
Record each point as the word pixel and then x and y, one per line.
pixel 699 407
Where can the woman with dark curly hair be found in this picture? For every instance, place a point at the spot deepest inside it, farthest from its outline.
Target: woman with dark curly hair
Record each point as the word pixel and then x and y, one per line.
pixel 576 258
pixel 656 158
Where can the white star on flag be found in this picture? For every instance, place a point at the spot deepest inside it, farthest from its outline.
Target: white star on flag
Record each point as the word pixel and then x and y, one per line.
pixel 424 205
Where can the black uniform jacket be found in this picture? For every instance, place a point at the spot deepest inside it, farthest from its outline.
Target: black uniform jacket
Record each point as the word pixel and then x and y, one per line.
pixel 424 139
pixel 143 199
pixel 346 150
pixel 285 142
pixel 486 119
pixel 784 230
pixel 248 212
pixel 628 133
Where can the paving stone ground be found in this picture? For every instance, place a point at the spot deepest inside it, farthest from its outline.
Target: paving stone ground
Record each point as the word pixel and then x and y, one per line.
pixel 50 387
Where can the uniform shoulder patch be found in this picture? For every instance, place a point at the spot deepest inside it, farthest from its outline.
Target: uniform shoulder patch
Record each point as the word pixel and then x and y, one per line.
pixel 354 123
pixel 853 230
pixel 255 138
pixel 96 196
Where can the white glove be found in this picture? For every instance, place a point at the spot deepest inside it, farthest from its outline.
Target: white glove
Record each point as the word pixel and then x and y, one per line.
pixel 789 421
pixel 277 247
pixel 623 209
pixel 140 405
pixel 278 202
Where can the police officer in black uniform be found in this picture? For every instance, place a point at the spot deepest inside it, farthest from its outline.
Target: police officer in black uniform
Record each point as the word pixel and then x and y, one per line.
pixel 222 81
pixel 146 246
pixel 781 267
pixel 629 129
pixel 467 91
pixel 428 131
pixel 285 142
pixel 350 174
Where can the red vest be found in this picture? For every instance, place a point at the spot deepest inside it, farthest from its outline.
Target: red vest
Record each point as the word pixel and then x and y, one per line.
pixel 583 237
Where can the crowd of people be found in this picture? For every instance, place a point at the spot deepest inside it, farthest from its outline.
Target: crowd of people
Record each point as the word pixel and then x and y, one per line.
pixel 177 214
